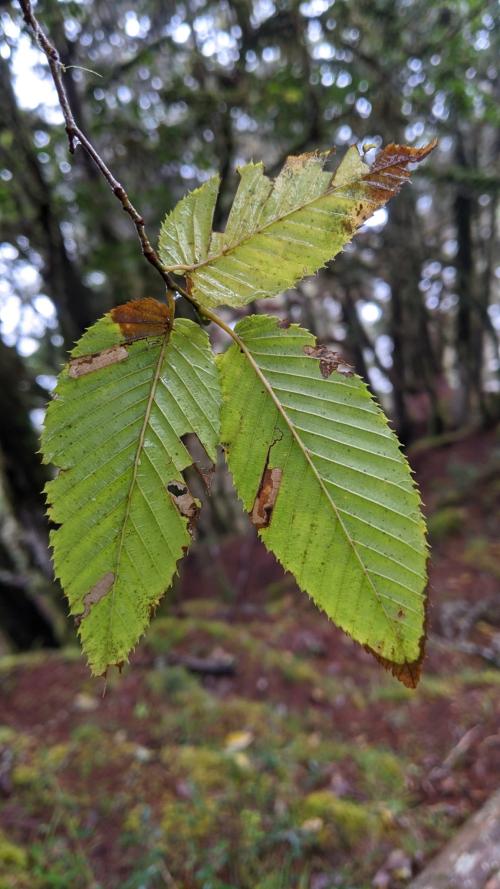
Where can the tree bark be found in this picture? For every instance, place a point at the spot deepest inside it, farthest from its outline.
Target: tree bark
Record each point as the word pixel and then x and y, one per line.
pixel 472 859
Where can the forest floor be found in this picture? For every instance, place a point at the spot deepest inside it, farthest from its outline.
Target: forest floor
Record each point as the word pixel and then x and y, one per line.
pixel 303 765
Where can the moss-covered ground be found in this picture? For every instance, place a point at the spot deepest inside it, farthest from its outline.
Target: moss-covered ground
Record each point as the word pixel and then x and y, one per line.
pixel 300 765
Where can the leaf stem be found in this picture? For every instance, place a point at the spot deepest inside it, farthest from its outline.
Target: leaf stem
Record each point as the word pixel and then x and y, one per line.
pixel 133 480
pixel 75 136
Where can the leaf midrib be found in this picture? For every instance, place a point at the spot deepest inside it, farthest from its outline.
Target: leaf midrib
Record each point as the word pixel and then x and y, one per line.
pixel 135 469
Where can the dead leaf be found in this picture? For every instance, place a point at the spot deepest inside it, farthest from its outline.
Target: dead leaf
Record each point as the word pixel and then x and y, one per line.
pixel 389 173
pixel 141 318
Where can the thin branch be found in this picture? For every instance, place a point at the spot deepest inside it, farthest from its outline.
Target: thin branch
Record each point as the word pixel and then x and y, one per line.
pixel 77 136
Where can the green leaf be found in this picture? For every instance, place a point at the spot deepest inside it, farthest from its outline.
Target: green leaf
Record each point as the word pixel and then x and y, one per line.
pixel 185 232
pixel 131 390
pixel 278 231
pixel 322 475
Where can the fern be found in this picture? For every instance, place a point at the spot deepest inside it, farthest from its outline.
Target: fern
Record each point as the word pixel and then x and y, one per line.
pixel 312 457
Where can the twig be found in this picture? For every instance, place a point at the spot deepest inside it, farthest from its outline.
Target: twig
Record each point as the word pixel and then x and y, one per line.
pixel 458 752
pixel 77 136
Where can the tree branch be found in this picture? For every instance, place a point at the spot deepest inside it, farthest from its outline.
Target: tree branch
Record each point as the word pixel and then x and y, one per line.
pixel 77 136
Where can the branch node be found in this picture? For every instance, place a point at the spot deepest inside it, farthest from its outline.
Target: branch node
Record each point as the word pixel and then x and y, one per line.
pixel 72 138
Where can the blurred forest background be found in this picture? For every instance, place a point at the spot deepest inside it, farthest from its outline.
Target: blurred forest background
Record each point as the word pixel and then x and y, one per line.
pixel 182 90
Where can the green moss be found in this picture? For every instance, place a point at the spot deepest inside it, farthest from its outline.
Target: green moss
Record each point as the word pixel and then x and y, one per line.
pixel 293 669
pixel 185 825
pixel 445 522
pixel 55 756
pixel 25 776
pixel 13 858
pixel 34 659
pixel 201 608
pixel 479 677
pixel 333 820
pixel 313 748
pixel 7 735
pixel 210 771
pixel 167 632
pixel 483 554
pixel 394 692
pixel 206 768
pixel 88 734
pixel 199 715
pixel 136 819
pixel 437 686
pixel 383 774
pixel 252 828
pixel 171 681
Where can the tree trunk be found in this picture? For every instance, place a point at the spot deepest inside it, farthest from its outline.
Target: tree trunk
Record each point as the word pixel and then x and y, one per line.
pixel 27 594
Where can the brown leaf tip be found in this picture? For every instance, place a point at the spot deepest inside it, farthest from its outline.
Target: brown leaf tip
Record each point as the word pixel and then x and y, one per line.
pixel 402 155
pixel 407 673
pixel 390 169
pixel 263 506
pixel 329 361
pixel 141 318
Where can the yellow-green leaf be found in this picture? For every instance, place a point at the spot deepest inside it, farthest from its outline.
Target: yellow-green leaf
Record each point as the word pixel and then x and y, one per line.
pixel 278 231
pixel 133 387
pixel 323 478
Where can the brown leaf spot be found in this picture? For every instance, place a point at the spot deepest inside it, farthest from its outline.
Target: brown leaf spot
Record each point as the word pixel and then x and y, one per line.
pixel 329 361
pixel 263 506
pixel 295 162
pixel 95 595
pixel 78 367
pixel 141 318
pixel 184 501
